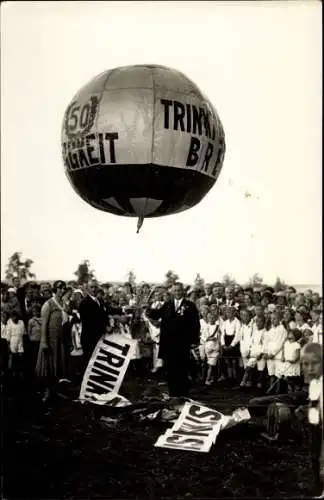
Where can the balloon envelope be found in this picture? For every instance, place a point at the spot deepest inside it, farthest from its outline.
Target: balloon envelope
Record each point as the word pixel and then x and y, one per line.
pixel 142 141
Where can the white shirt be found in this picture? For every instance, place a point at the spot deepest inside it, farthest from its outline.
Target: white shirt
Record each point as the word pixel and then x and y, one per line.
pixel 317 333
pixel 257 341
pixel 291 351
pixel 304 326
pixel 245 338
pixel 208 331
pixel 274 340
pixel 15 329
pixel 231 328
pixel 177 304
pixel 95 299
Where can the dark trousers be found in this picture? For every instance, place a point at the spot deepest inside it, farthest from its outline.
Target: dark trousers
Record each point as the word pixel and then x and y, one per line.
pixel 4 356
pixel 177 374
pixel 31 355
pixel 316 444
pixel 88 348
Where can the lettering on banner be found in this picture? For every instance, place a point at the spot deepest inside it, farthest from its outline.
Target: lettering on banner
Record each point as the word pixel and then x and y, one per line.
pixel 107 367
pixel 196 429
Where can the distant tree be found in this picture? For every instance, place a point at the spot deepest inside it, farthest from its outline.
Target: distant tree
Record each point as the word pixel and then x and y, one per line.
pixel 131 278
pixel 228 280
pixel 170 278
pixel 279 285
pixel 256 280
pixel 84 273
pixel 18 270
pixel 199 282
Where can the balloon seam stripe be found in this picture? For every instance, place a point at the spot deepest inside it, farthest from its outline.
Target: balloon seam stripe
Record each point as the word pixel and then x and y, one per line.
pixel 153 116
pixel 187 94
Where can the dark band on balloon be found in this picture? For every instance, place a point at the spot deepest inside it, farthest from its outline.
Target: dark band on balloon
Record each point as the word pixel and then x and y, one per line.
pixel 178 188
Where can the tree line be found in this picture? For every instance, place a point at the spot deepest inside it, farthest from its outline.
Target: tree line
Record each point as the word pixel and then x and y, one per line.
pixel 18 271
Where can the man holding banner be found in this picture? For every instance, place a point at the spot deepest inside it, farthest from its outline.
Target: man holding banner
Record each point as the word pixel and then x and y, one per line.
pixel 180 331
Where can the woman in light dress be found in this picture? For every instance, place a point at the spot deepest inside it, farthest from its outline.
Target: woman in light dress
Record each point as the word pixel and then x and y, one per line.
pixel 53 355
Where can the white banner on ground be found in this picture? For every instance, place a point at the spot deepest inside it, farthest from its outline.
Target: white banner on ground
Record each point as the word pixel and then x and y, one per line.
pixel 196 429
pixel 174 441
pixel 107 366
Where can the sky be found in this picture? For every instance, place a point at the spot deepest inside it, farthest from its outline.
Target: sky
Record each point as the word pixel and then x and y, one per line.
pixel 260 65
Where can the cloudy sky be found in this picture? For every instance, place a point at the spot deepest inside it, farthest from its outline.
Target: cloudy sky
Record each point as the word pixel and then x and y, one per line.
pixel 260 65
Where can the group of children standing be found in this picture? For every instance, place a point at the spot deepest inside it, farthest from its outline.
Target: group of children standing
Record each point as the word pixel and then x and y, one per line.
pixel 19 341
pixel 239 346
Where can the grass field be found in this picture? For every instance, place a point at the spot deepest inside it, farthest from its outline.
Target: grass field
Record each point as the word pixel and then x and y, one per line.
pixel 66 452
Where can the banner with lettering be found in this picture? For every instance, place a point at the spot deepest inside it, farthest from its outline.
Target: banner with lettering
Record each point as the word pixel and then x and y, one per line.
pixel 107 367
pixel 196 429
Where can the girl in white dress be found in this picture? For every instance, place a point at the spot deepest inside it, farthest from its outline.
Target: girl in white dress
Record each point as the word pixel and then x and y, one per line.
pixel 15 335
pixel 274 339
pixel 291 360
pixel 209 347
pixel 245 336
pixel 256 357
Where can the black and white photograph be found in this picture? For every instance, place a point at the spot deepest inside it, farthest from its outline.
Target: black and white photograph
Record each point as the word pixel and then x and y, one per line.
pixel 161 250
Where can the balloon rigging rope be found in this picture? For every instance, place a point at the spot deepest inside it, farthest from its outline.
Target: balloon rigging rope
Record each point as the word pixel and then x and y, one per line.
pixel 141 217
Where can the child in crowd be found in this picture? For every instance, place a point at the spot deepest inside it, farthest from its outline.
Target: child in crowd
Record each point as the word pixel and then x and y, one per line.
pixel 230 331
pixel 209 347
pixel 76 327
pixel 288 317
pixel 317 326
pixel 258 313
pixel 15 334
pixel 274 340
pixel 291 360
pixel 4 321
pixel 312 364
pixel 204 310
pixel 245 340
pixel 256 352
pixel 301 321
pixel 34 335
pixel 153 327
pixel 4 353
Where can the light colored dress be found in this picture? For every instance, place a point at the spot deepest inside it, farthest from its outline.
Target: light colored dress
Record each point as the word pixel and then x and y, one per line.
pixel 257 349
pixel 53 361
pixel 245 334
pixel 15 334
pixel 291 359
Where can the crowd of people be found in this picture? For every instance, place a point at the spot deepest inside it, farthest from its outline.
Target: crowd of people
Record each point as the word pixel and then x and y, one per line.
pixel 250 336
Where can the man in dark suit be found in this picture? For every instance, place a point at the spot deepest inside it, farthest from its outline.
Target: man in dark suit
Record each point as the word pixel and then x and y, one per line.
pixel 180 331
pixel 94 315
pixel 93 320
